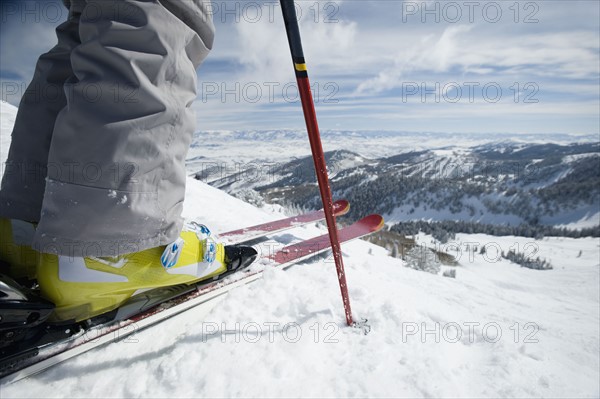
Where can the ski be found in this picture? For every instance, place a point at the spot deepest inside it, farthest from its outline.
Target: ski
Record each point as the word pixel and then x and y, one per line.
pixel 296 252
pixel 245 234
pixel 38 359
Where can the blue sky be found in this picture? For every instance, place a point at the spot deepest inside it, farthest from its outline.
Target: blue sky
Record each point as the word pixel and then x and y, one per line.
pixel 440 66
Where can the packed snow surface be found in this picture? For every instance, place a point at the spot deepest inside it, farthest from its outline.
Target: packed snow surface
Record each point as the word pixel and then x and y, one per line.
pixel 496 330
pixel 8 113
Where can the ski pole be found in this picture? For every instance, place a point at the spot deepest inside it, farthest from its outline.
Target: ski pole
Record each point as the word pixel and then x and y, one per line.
pixel 310 117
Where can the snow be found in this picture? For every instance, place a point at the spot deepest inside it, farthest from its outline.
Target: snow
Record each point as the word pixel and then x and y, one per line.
pixel 8 114
pixel 588 217
pixel 283 336
pixel 497 330
pixel 229 149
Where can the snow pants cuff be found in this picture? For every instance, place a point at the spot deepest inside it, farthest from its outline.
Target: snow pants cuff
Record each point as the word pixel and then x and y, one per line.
pixel 119 221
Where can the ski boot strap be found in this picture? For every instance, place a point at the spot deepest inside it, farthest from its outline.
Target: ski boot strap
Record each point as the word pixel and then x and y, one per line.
pixel 172 252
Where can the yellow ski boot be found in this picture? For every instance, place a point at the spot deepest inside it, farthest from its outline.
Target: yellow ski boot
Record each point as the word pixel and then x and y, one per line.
pixel 82 288
pixel 17 259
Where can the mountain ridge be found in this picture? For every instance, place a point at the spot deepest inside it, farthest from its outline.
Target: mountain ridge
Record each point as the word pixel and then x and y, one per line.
pixel 535 184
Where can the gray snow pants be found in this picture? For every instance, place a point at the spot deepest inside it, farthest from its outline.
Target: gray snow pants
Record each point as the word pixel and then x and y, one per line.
pixel 102 132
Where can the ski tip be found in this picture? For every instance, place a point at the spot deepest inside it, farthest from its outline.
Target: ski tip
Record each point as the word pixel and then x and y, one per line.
pixel 375 222
pixel 341 207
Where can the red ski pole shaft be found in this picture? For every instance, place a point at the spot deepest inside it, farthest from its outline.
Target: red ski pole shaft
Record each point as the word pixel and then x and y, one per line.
pixel 310 117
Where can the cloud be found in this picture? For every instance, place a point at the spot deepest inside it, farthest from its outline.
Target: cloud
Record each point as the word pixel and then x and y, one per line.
pixel 264 52
pixel 464 50
pixel 367 49
pixel 426 53
pixel 28 32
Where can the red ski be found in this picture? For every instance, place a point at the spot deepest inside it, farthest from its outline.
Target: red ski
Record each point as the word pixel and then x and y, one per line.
pixel 340 208
pixel 295 252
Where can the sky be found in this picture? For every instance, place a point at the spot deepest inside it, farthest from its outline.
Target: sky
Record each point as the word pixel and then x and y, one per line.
pixel 436 66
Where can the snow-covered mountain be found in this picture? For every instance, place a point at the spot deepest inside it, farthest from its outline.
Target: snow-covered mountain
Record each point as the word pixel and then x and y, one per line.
pixel 496 330
pixel 493 183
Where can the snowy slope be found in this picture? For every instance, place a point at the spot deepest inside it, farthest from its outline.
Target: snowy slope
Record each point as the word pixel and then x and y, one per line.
pixel 8 113
pixel 283 336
